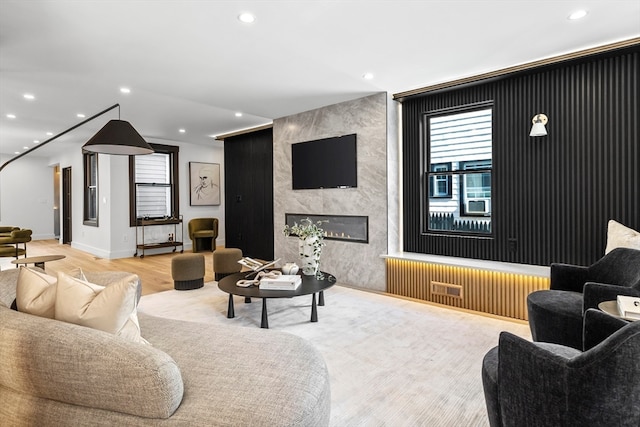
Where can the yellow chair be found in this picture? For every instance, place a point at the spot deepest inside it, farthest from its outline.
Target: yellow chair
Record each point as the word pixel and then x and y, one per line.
pixel 10 244
pixel 203 233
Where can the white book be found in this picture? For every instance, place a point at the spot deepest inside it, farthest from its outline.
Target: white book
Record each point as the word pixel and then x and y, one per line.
pixel 629 307
pixel 283 282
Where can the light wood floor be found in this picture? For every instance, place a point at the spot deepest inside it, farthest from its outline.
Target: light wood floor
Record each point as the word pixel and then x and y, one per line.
pixel 153 270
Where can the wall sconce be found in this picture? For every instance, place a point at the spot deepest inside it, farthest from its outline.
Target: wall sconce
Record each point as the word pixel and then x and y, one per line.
pixel 538 129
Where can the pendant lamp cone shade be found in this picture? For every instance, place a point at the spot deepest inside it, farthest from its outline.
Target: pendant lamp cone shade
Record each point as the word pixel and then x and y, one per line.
pixel 118 137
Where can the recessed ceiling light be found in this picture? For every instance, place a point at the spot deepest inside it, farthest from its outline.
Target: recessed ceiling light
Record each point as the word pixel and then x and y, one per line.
pixel 11 116
pixel 367 76
pixel 29 96
pixel 26 148
pixel 181 130
pixel 49 133
pixel 35 141
pixel 578 14
pixel 238 114
pixel 16 152
pixel 125 90
pixel 247 18
pixel 80 116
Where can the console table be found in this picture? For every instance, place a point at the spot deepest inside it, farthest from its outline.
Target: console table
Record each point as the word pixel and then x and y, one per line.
pixel 141 224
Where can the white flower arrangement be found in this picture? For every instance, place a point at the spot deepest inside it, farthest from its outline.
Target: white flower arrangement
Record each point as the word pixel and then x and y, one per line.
pixel 312 235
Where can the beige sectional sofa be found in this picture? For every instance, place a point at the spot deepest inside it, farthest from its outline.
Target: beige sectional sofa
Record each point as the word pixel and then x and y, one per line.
pixel 60 374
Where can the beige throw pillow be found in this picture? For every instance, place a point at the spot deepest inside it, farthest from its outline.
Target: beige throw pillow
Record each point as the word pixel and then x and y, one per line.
pixel 111 309
pixel 619 236
pixel 36 293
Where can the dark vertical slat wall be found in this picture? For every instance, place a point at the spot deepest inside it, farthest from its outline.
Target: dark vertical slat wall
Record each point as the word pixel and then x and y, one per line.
pixel 552 195
pixel 248 166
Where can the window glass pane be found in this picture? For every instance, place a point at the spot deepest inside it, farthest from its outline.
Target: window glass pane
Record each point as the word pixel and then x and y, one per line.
pixel 457 143
pixel 153 168
pixel 92 203
pixel 153 185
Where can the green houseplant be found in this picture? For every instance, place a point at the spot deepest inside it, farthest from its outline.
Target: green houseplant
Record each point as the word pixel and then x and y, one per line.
pixel 311 241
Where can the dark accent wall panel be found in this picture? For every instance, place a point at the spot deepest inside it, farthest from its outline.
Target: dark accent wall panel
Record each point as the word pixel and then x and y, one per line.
pixel 248 173
pixel 553 195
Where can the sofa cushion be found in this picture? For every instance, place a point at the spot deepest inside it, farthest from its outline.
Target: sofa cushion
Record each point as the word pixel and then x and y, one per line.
pixel 55 363
pixel 111 309
pixel 620 236
pixel 36 292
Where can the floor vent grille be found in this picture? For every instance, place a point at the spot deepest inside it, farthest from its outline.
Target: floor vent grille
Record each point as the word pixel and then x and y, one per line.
pixel 446 289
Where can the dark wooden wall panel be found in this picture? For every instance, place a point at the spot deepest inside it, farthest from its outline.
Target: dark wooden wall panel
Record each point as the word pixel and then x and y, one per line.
pixel 553 195
pixel 248 166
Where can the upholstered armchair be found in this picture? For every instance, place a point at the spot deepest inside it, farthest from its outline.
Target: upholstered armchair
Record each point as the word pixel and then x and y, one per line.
pixel 544 384
pixel 5 230
pixel 10 242
pixel 556 315
pixel 203 233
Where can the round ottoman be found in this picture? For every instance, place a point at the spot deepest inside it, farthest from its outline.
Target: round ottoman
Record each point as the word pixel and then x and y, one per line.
pixel 187 271
pixel 225 262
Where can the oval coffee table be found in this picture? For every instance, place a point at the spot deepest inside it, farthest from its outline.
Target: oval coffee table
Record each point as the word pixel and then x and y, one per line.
pixel 38 261
pixel 310 286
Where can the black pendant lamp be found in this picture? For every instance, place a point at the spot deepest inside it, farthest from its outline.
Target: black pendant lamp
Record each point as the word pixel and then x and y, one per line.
pixel 118 137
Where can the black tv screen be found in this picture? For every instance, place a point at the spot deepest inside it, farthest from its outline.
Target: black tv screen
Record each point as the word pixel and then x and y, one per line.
pixel 325 163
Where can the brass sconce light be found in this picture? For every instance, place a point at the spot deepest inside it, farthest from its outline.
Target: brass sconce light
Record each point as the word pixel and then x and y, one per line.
pixel 538 129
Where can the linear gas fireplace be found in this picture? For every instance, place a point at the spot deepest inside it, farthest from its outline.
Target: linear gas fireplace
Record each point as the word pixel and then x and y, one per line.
pixel 350 228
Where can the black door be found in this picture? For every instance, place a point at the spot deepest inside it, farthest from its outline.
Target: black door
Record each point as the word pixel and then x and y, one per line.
pixel 248 161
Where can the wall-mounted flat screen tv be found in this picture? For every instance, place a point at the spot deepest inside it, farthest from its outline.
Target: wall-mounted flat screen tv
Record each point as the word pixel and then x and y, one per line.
pixel 325 163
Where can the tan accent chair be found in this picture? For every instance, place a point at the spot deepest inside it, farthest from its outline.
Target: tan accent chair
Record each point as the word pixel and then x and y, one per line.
pixel 203 233
pixel 5 230
pixel 10 244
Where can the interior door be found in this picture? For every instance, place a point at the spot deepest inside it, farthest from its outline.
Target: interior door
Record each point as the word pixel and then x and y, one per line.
pixel 66 205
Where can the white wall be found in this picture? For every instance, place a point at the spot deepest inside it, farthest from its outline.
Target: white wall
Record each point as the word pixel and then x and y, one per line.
pixel 26 195
pixel 26 198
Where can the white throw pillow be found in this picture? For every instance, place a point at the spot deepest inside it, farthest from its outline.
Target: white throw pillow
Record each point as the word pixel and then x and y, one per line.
pixel 110 308
pixel 36 293
pixel 619 236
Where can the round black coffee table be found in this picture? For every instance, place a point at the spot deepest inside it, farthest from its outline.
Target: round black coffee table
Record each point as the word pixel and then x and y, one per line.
pixel 311 285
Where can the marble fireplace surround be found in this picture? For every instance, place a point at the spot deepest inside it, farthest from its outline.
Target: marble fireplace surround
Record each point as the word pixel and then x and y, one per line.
pixel 350 228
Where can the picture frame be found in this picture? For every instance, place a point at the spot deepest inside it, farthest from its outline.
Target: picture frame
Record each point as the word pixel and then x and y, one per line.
pixel 204 184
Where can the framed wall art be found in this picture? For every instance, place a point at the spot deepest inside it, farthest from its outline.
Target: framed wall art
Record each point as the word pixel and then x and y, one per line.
pixel 204 184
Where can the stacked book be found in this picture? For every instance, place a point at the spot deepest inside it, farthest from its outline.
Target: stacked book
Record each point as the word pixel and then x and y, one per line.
pixel 629 307
pixel 283 282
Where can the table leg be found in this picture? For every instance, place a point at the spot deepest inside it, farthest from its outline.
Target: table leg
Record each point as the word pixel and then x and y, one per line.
pixel 230 312
pixel 39 265
pixel 321 299
pixel 265 321
pixel 247 300
pixel 314 309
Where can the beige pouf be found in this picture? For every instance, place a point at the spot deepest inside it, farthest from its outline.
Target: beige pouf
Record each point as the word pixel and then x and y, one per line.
pixel 225 261
pixel 187 271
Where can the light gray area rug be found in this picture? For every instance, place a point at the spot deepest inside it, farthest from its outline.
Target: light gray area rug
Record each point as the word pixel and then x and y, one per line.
pixel 392 362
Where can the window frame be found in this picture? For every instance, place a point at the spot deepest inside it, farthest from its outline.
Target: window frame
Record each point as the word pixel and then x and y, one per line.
pixel 173 152
pixel 90 170
pixel 429 175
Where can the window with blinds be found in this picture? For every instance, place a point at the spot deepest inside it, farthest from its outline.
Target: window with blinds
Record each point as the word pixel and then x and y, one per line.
pixel 90 165
pixel 153 179
pixel 457 169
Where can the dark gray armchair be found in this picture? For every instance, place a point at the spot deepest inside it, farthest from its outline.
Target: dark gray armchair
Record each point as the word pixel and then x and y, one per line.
pixel 556 315
pixel 544 384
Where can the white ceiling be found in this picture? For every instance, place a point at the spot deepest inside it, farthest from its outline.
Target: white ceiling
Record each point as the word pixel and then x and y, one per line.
pixel 193 65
